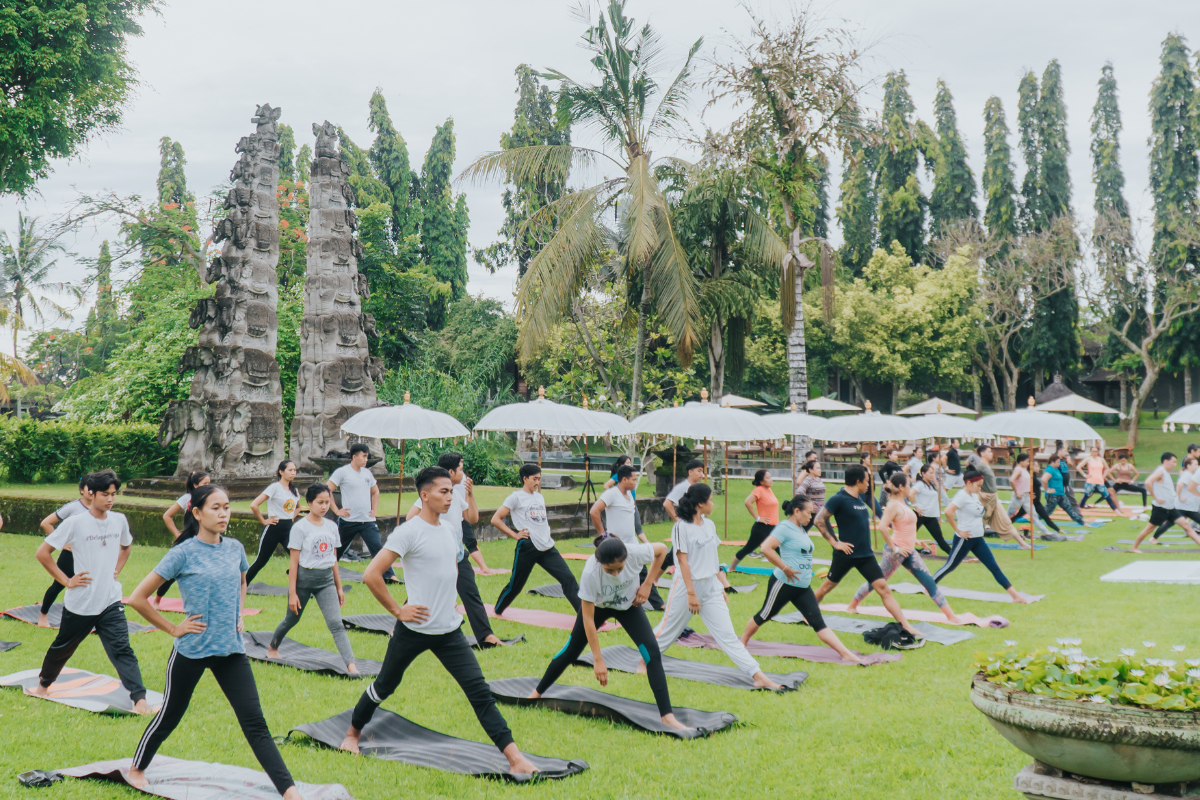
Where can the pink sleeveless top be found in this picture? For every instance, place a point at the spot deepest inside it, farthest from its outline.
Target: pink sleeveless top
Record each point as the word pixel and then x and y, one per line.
pixel 1095 471
pixel 904 528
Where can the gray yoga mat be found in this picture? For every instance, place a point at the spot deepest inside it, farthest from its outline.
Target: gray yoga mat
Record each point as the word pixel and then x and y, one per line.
pixel 855 625
pixel 54 616
pixel 6 646
pixel 303 657
pixel 1187 543
pixel 817 653
pixel 392 737
pixel 965 594
pixel 592 703
pixel 626 659
pixel 177 779
pixel 78 688
pixel 1152 550
pixel 386 623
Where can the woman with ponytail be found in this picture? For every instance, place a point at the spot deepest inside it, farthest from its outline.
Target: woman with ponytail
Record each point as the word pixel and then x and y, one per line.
pixel 790 550
pixel 763 506
pixel 927 500
pixel 696 588
pixel 901 547
pixel 283 501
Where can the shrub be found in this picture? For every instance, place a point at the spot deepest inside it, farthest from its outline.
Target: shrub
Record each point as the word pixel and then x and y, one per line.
pixel 62 451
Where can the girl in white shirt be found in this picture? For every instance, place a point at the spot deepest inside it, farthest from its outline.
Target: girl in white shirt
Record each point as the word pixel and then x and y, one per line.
pixel 965 515
pixel 696 589
pixel 283 501
pixel 313 542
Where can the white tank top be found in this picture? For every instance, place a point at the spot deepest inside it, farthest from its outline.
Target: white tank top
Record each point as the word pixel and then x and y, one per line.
pixel 1164 489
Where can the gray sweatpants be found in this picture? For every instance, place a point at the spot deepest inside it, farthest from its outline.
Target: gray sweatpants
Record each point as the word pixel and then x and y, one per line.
pixel 318 583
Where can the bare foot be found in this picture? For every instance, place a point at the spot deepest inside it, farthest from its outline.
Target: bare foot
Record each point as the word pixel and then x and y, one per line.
pixel 136 778
pixel 39 691
pixel 292 794
pixel 852 608
pixel 1019 600
pixel 641 668
pixel 1134 550
pixel 350 743
pixel 670 720
pixel 155 600
pixel 142 707
pixel 953 619
pixel 852 658
pixel 272 652
pixel 916 633
pixel 494 640
pixel 521 765
pixel 43 621
pixel 761 681
pixel 535 694
pixel 352 669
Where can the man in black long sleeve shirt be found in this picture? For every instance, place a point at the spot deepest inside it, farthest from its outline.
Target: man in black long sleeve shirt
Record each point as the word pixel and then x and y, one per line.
pixel 889 468
pixel 953 467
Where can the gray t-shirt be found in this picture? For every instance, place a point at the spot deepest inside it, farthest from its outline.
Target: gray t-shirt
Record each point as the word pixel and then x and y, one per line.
pixel 678 492
pixel 430 555
pixel 528 511
pixel 620 514
pixel 70 509
pixel 969 515
pixel 95 543
pixel 989 477
pixel 317 544
pixel 356 491
pixel 699 542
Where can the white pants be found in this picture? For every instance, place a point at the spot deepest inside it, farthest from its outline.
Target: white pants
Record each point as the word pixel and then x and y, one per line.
pixel 715 613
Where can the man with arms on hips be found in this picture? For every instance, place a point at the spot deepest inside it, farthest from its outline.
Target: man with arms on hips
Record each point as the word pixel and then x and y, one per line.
pixel 101 542
pixel 1163 504
pixel 360 501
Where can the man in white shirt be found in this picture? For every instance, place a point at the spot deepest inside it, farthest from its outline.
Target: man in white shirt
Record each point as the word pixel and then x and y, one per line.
pixel 1163 511
pixel 100 541
pixel 360 501
pixel 695 474
pixel 430 546
pixel 1189 489
pixel 534 542
pixel 464 509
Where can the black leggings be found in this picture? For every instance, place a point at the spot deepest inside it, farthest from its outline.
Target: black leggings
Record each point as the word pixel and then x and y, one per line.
pixel 634 622
pixel 965 547
pixel 759 532
pixel 272 537
pixel 468 592
pixel 1135 488
pixel 779 594
pixel 236 679
pixel 934 526
pixel 66 562
pixel 456 656
pixel 113 630
pixel 524 559
pixel 1040 510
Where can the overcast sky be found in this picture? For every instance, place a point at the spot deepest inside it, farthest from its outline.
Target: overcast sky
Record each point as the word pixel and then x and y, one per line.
pixel 204 66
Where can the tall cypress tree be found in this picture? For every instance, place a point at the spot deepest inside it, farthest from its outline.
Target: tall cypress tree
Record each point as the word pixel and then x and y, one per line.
pixel 304 163
pixel 389 156
pixel 901 204
pixel 1029 137
pixel 106 306
pixel 858 206
pixel 1107 176
pixel 1054 183
pixel 368 189
pixel 1174 144
pixel 287 153
pixel 172 182
pixel 1000 215
pixel 444 222
pixel 820 226
pixel 953 197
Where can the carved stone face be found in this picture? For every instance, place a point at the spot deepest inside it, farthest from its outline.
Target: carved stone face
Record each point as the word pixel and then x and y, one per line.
pixel 349 330
pixel 260 319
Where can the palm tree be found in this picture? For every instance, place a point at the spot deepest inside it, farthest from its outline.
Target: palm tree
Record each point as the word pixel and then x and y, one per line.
pixel 630 111
pixel 25 269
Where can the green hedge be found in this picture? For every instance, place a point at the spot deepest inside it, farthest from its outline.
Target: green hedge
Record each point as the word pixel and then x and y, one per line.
pixel 62 451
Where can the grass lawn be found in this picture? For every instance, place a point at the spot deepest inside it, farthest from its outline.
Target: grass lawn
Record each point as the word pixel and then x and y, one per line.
pixel 899 730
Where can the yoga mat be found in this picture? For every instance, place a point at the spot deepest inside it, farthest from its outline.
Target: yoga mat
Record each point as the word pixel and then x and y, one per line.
pixel 666 583
pixel 303 657
pixel 1155 572
pixel 1186 542
pixel 592 703
pixel 542 619
pixel 386 623
pixel 79 688
pixel 6 646
pixel 347 574
pixel 392 737
pixel 933 633
pixel 993 621
pixel 576 556
pixel 626 659
pixel 478 571
pixel 174 604
pixel 177 779
pixel 818 653
pixel 271 590
pixel 1014 546
pixel 734 543
pixel 30 614
pixel 1152 550
pixel 965 594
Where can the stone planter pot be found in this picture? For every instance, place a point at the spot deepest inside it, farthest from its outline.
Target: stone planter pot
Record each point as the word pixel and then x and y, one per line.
pixel 1113 743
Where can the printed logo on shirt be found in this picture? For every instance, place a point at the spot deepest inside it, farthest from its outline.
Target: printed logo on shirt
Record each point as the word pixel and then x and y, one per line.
pixel 289 505
pixel 616 594
pixel 537 514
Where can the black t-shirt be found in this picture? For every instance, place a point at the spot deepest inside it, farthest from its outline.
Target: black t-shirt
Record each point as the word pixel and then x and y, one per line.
pixel 888 469
pixel 953 464
pixel 853 521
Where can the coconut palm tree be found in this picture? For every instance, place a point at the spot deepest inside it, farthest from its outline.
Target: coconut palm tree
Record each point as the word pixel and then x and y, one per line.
pixel 25 268
pixel 629 110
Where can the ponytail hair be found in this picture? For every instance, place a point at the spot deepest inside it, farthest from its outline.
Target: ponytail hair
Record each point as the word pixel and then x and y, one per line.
pixel 193 480
pixel 610 549
pixel 896 484
pixel 797 503
pixel 759 477
pixel 696 496
pixel 808 465
pixel 925 470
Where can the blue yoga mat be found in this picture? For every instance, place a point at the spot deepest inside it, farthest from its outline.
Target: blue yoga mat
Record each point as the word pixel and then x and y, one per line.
pixel 1011 546
pixel 755 570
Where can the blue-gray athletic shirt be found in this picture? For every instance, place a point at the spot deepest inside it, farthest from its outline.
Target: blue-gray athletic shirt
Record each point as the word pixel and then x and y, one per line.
pixel 209 577
pixel 796 550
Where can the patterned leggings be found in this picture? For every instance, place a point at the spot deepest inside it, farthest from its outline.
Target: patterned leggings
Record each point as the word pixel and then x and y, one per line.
pixel 912 562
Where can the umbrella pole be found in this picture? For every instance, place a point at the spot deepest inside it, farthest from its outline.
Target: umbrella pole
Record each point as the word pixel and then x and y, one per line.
pixel 587 487
pixel 674 462
pixel 706 460
pixel 725 483
pixel 539 450
pixel 400 493
pixel 1032 510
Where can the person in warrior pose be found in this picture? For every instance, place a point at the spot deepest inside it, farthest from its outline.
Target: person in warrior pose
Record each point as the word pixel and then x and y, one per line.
pixel 1124 476
pixel 1094 471
pixel 696 590
pixel 927 501
pixel 790 550
pixel 609 589
pixel 618 504
pixel 430 548
pixel 313 572
pixel 535 545
pixel 1056 496
pixel 66 562
pixel 283 502
pixel 1022 497
pixel 210 569
pixel 763 507
pixel 900 549
pixel 965 515
pixel 1164 511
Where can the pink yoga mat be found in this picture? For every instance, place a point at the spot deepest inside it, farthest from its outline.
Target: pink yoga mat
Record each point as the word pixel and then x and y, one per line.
pixel 176 605
pixel 808 652
pixel 478 571
pixel 994 621
pixel 576 556
pixel 535 616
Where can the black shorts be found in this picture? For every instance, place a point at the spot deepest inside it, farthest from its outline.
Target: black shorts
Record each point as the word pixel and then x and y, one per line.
pixel 1163 516
pixel 867 566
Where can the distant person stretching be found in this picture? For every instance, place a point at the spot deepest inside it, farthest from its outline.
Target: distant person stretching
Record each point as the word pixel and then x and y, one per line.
pixel 1124 477
pixel 1163 510
pixel 66 562
pixel 360 501
pixel 535 545
pixel 1094 471
pixel 763 506
pixel 966 515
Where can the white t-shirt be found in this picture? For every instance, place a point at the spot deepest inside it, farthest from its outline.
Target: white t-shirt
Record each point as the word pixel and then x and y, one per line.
pixel 70 509
pixel 184 501
pixel 620 514
pixel 700 542
pixel 1163 489
pixel 679 491
pixel 96 544
pixel 613 591
pixel 430 554
pixel 355 486
pixel 529 513
pixel 925 500
pixel 281 503
pixel 969 518
pixel 1187 500
pixel 913 467
pixel 317 544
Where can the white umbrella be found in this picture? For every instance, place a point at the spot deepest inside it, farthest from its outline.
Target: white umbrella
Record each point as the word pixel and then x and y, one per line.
pixel 943 426
pixel 870 426
pixel 1034 423
pixel 553 419
pixel 795 423
pixel 403 422
pixel 827 404
pixel 1073 402
pixel 935 405
pixel 1188 415
pixel 735 401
